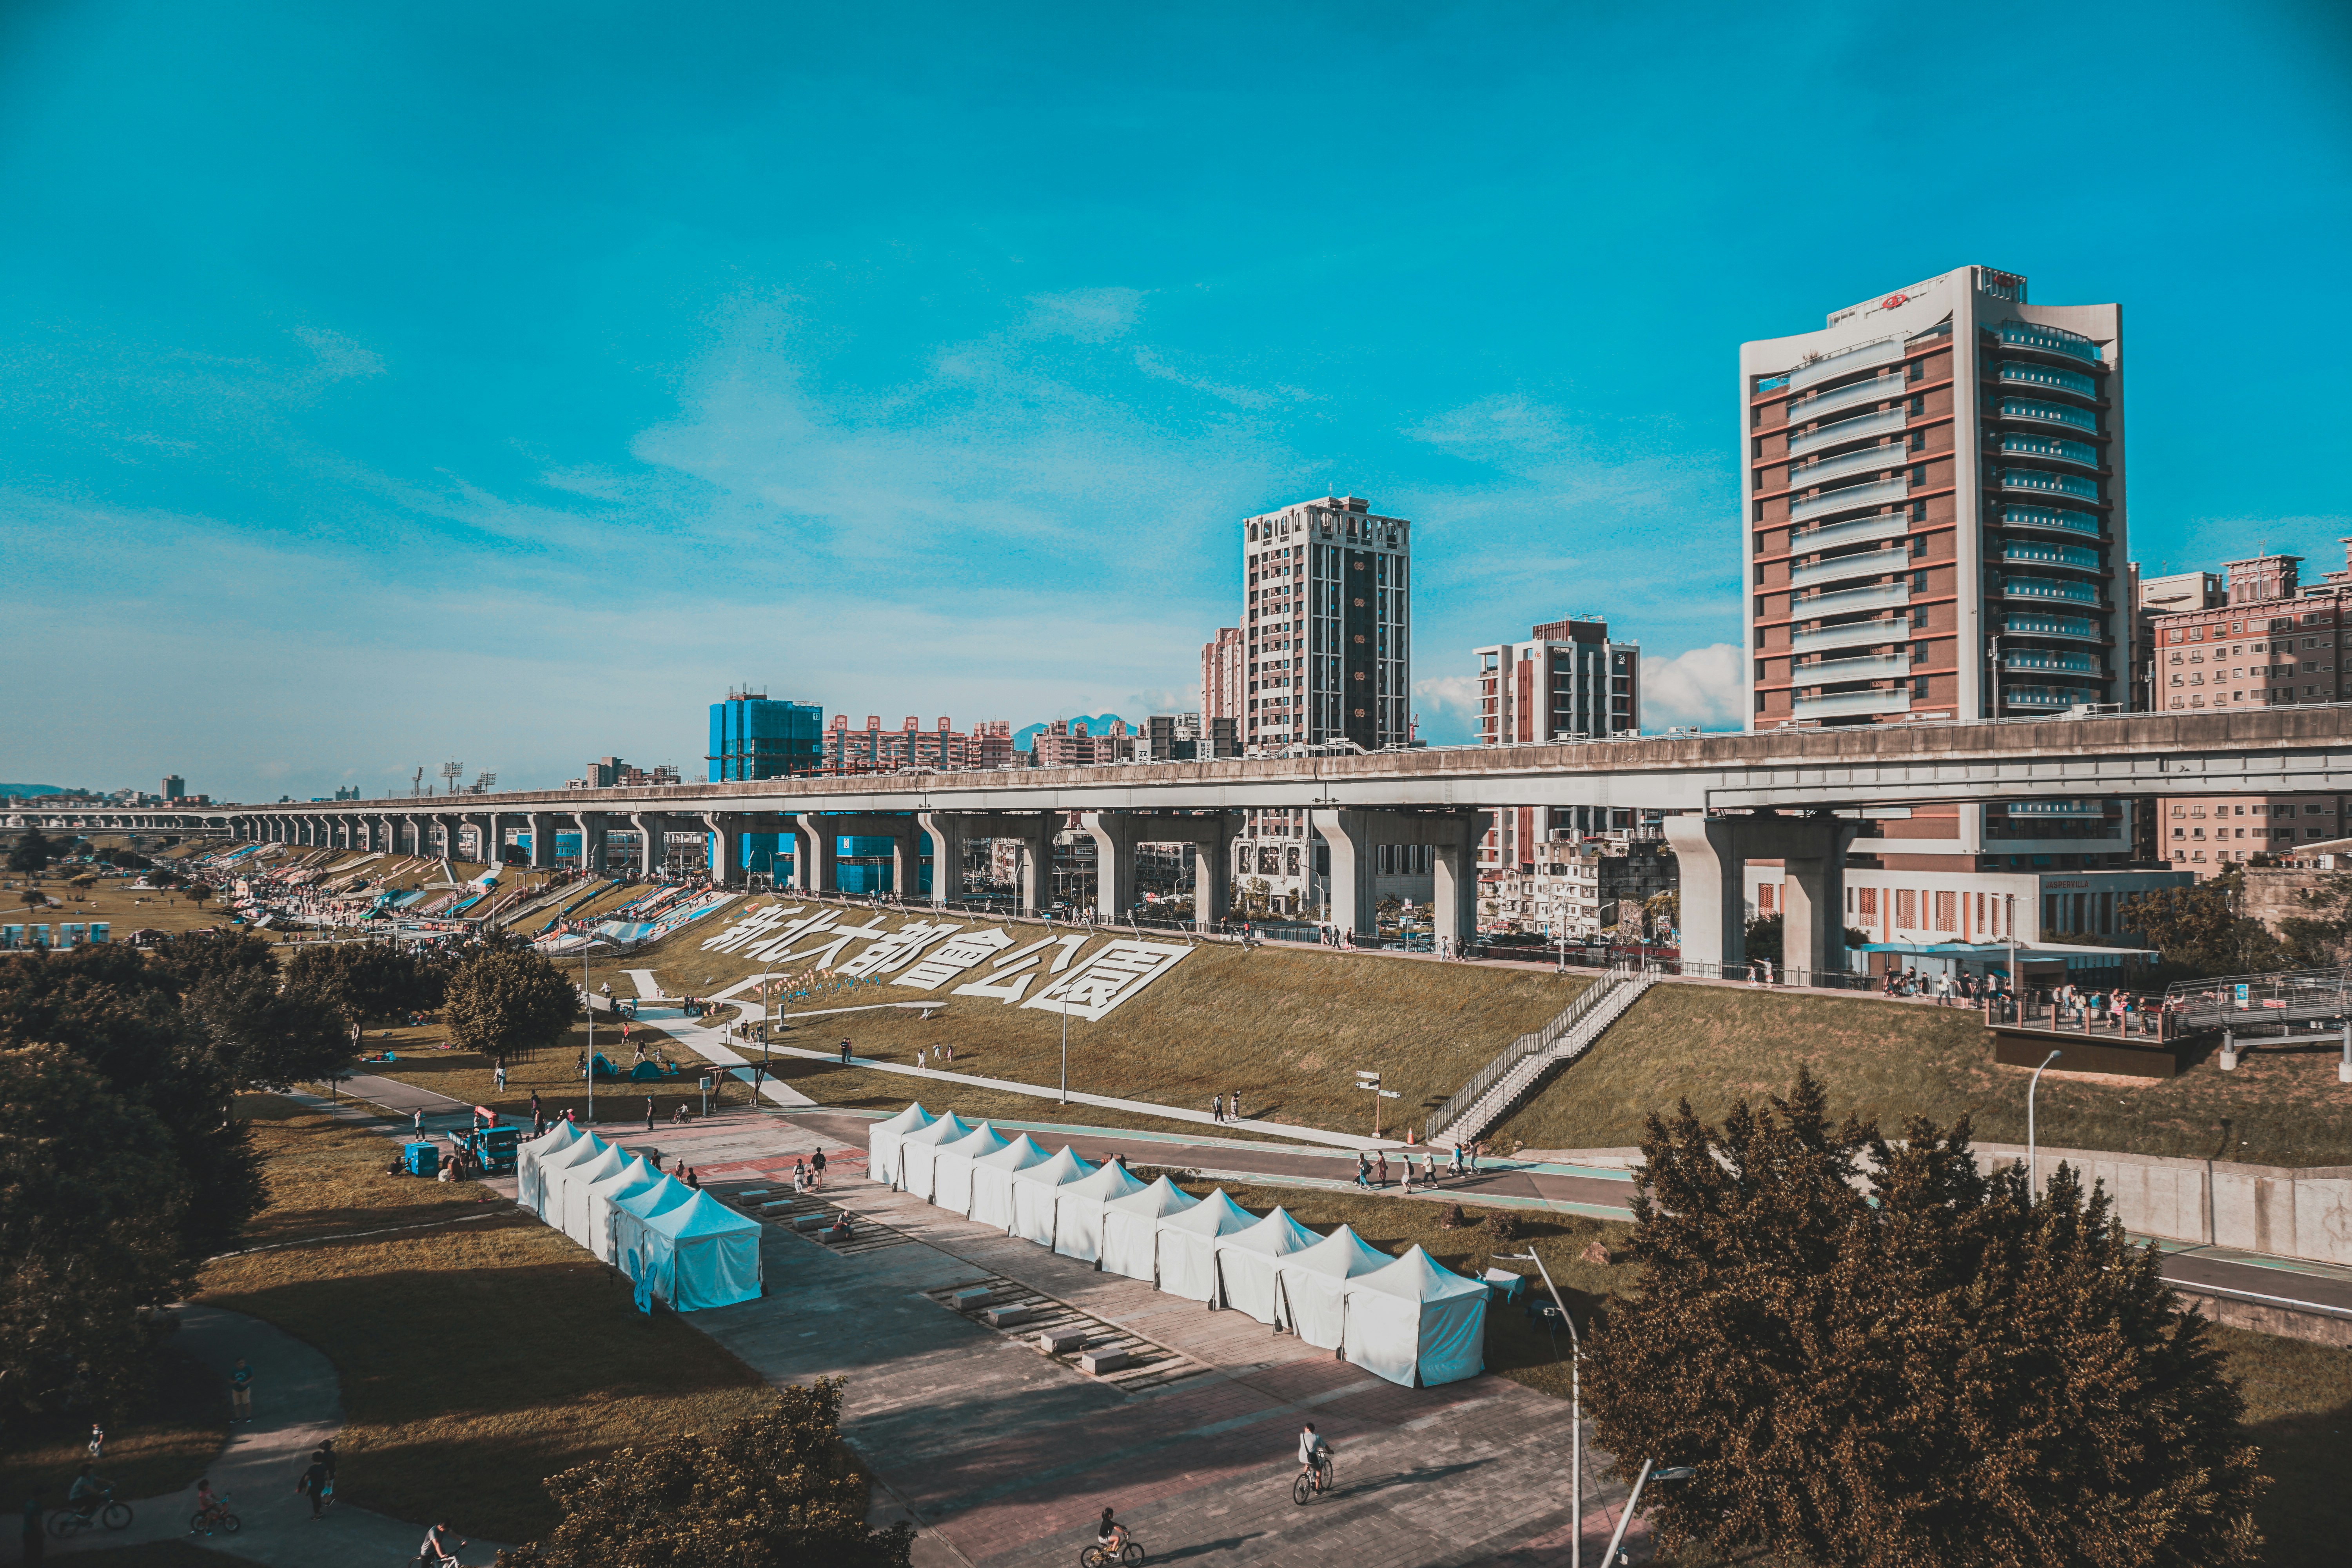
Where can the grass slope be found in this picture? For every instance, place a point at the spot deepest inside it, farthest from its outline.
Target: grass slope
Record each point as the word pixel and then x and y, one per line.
pixel 475 1359
pixel 159 1445
pixel 1714 1044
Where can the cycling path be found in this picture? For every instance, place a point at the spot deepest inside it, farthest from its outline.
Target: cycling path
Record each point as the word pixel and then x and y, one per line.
pixel 297 1402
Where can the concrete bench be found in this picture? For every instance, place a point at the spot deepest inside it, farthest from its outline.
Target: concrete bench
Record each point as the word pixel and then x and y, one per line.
pixel 972 1301
pixel 1006 1316
pixel 1060 1342
pixel 810 1221
pixel 1094 1363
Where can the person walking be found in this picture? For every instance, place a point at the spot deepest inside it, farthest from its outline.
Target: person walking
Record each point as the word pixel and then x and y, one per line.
pixel 844 1053
pixel 240 1392
pixel 1363 1171
pixel 1381 1169
pixel 649 1113
pixel 817 1166
pixel 420 1122
pixel 1237 1105
pixel 499 1077
pixel 312 1483
pixel 1217 1108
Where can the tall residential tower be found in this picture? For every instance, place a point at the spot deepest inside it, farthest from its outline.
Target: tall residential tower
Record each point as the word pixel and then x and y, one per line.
pixel 1934 493
pixel 1327 626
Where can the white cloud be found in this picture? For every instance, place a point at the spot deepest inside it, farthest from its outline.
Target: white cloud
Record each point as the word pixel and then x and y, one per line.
pixel 1449 693
pixel 1701 688
pixel 1089 315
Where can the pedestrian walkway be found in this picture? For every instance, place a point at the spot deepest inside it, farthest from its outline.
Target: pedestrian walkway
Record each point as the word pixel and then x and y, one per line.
pixel 297 1403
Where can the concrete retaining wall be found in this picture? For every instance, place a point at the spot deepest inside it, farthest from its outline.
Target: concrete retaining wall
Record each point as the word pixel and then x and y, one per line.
pixel 2289 1213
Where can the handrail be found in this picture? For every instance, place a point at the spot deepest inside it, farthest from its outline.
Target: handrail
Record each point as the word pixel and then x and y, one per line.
pixel 1523 1047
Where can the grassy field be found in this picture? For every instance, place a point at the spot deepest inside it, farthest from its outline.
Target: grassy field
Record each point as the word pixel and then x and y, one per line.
pixel 1288 1028
pixel 2299 1408
pixel 160 1445
pixel 1886 1059
pixel 552 1073
pixel 25 901
pixel 475 1359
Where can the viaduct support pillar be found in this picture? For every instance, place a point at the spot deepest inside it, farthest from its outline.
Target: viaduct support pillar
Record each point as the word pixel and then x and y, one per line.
pixel 1348 834
pixel 816 853
pixel 726 847
pixel 543 839
pixel 494 833
pixel 1455 882
pixel 1712 853
pixel 591 841
pixel 1115 836
pixel 651 826
pixel 946 836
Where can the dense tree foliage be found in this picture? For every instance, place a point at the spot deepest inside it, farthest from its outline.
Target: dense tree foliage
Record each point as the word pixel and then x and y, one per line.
pixel 2200 931
pixel 502 1001
pixel 31 852
pixel 266 1036
pixel 1873 1354
pixel 91 1202
pixel 776 1490
pixel 365 982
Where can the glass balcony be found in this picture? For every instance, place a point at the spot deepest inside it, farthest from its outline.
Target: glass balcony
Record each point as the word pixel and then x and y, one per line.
pixel 2014 373
pixel 2049 339
pixel 2056 808
pixel 1845 568
pixel 1854 530
pixel 1878 492
pixel 2048 483
pixel 2051 448
pixel 1854 634
pixel 2049 414
pixel 1847 704
pixel 1861 460
pixel 2033 625
pixel 2033 659
pixel 1861 356
pixel 2021 554
pixel 1876 667
pixel 1883 421
pixel 1846 601
pixel 1805 410
pixel 2047 697
pixel 2049 588
pixel 2061 517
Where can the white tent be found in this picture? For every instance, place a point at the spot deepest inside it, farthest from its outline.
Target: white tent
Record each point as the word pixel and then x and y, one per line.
pixel 1416 1324
pixel 573 1182
pixel 1187 1245
pixel 1130 1228
pixel 636 1176
pixel 1315 1285
pixel 882 1142
pixel 529 1183
pixel 952 1166
pixel 991 1181
pixel 699 1254
pixel 1079 1210
pixel 631 1212
pixel 918 1149
pixel 1246 1266
pixel 582 1150
pixel 1033 1193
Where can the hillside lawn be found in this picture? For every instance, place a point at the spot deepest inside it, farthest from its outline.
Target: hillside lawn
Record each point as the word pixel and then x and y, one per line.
pixel 1714 1044
pixel 160 1443
pixel 475 1359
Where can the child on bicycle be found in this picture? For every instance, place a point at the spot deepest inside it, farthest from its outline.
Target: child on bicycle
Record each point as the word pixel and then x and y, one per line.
pixel 208 1503
pixel 1312 1451
pixel 1111 1536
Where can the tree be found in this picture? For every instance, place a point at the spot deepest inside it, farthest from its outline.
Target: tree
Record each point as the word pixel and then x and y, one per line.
pixel 2200 932
pixel 500 1001
pixel 1767 938
pixel 776 1491
pixel 91 1201
pixel 30 852
pixel 1873 1354
pixel 363 982
pixel 266 1036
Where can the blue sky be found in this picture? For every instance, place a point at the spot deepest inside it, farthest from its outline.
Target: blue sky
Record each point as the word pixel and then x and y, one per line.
pixel 385 384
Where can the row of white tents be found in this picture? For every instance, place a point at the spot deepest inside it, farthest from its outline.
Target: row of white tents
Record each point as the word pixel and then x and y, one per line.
pixel 1407 1319
pixel 680 1245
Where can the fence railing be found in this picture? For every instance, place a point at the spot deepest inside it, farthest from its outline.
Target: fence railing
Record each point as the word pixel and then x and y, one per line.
pixel 1520 1049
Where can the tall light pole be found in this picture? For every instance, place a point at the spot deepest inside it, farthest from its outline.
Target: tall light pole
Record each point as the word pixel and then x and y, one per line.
pixel 1648 1471
pixel 1066 1051
pixel 589 1001
pixel 2033 1147
pixel 1575 1407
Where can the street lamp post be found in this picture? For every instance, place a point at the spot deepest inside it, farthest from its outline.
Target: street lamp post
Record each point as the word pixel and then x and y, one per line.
pixel 1575 1407
pixel 2032 1146
pixel 589 1000
pixel 1649 1469
pixel 1065 1053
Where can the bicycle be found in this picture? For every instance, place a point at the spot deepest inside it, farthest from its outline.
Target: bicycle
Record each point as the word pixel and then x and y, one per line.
pixel 1304 1489
pixel 205 1521
pixel 1129 1554
pixel 67 1519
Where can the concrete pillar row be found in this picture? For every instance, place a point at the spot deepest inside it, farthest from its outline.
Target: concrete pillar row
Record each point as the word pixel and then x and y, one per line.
pixel 1713 852
pixel 651 826
pixel 948 838
pixel 543 839
pixel 1116 835
pixel 726 847
pixel 593 825
pixel 387 835
pixel 816 855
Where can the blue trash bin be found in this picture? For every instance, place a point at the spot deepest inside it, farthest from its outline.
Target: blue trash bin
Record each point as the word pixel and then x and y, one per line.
pixel 421 1160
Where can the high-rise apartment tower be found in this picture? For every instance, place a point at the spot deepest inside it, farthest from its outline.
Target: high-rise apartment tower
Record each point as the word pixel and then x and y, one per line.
pixel 1934 493
pixel 1326 624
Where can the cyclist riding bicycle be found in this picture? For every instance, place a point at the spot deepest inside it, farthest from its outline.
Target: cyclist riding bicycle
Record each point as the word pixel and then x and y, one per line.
pixel 440 1545
pixel 88 1492
pixel 208 1504
pixel 1111 1536
pixel 1313 1452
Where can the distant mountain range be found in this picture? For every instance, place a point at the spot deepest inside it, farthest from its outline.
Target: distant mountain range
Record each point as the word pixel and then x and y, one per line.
pixel 1097 724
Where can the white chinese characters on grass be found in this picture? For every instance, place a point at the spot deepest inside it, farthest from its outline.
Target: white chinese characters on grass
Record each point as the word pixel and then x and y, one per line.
pixel 953 956
pixel 1116 971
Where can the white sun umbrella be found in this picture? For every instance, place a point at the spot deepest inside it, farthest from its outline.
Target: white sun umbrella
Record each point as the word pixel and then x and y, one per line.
pixel 635 1177
pixel 991 1181
pixel 1187 1245
pixel 529 1183
pixel 882 1142
pixel 632 1214
pixel 580 1152
pixel 1315 1284
pixel 1079 1210
pixel 917 1150
pixel 576 1180
pixel 1245 1263
pixel 1033 1193
pixel 952 1166
pixel 1130 1239
pixel 1416 1323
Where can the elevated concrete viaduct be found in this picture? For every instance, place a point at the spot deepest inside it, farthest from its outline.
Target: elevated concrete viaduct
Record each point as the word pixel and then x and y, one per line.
pixel 1775 794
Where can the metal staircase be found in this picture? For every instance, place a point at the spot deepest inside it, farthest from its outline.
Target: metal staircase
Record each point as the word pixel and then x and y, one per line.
pixel 1532 1059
